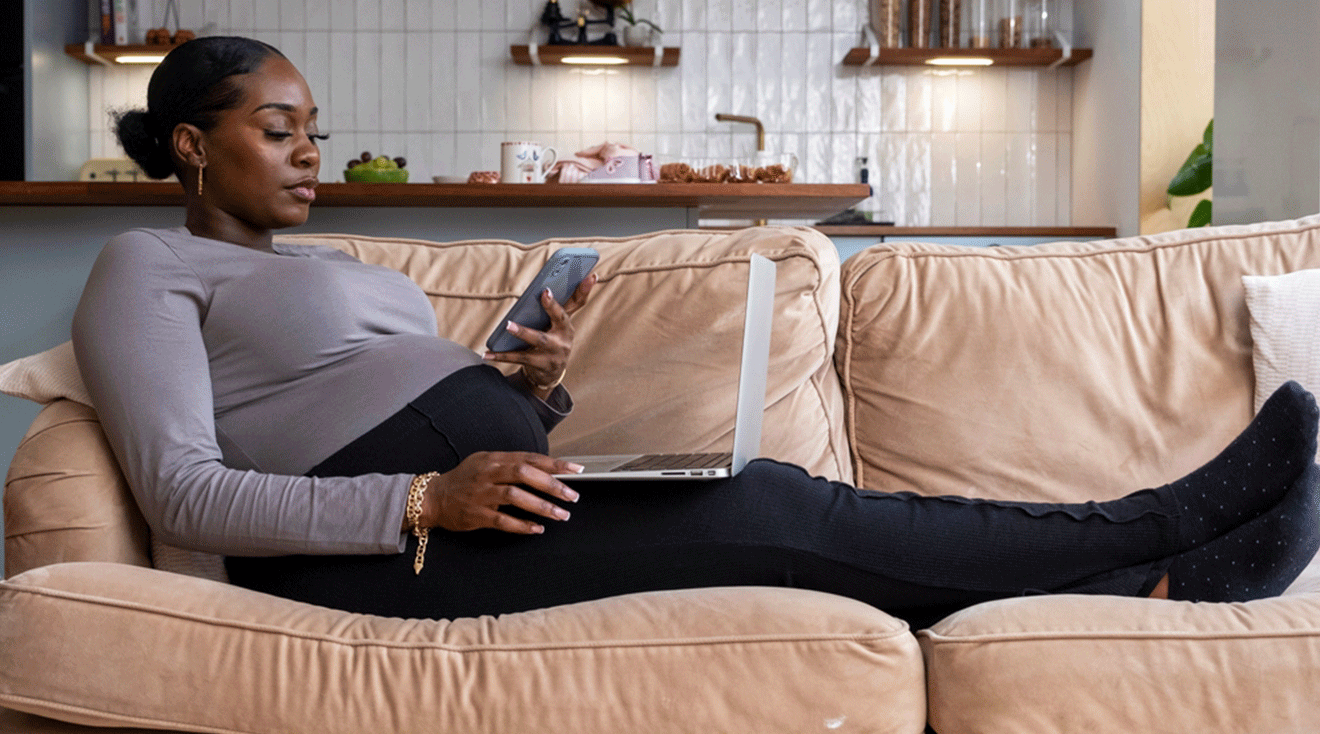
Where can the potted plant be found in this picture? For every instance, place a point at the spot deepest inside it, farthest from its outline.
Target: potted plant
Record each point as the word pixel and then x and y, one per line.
pixel 638 31
pixel 1195 178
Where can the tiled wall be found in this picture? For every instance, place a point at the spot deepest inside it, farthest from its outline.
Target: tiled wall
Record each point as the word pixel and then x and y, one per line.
pixel 432 80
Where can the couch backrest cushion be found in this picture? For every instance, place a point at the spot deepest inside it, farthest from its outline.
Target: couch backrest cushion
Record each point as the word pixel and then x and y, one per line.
pixel 65 499
pixel 1058 372
pixel 655 367
pixel 655 361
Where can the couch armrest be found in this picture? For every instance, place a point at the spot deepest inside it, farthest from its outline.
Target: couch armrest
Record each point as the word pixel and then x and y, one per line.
pixel 114 645
pixel 65 498
pixel 1099 664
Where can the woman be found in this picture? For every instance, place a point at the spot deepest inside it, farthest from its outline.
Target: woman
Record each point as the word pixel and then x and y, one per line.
pixel 292 408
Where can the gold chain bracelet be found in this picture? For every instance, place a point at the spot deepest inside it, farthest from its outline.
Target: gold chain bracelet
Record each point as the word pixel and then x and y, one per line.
pixel 413 514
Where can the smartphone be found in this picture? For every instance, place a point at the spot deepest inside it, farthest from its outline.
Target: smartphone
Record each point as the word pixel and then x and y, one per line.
pixel 561 274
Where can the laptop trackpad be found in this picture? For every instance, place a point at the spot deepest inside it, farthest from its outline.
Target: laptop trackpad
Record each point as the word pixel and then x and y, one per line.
pixel 600 464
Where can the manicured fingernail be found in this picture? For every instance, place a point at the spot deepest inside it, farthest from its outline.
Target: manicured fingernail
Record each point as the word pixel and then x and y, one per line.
pixel 547 293
pixel 561 513
pixel 538 529
pixel 575 468
pixel 511 327
pixel 570 495
pixel 488 355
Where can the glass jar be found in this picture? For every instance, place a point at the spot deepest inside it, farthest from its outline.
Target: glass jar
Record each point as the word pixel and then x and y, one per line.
pixel 919 23
pixel 980 25
pixel 950 23
pixel 1042 22
pixel 1010 24
pixel 887 22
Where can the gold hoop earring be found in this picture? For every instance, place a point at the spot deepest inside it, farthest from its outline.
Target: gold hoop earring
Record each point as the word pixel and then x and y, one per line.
pixel 200 169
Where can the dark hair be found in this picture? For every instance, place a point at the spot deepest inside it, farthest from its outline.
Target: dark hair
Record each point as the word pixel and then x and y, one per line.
pixel 193 84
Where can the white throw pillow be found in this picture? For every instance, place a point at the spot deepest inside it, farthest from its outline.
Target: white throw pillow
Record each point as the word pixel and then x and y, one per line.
pixel 45 377
pixel 1285 330
pixel 1285 336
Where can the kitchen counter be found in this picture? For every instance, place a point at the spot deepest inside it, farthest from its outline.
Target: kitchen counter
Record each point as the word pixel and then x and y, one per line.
pixel 710 201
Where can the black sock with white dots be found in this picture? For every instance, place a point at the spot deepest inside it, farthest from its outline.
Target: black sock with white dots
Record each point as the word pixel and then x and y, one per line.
pixel 1259 558
pixel 1254 473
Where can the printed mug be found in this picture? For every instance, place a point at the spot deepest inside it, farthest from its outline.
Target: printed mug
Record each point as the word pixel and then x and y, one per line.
pixel 525 162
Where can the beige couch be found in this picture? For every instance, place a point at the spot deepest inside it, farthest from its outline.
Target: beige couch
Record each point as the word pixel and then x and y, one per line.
pixel 1060 372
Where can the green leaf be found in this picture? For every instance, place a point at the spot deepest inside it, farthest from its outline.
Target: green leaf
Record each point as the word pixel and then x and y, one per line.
pixel 1208 137
pixel 1201 214
pixel 1196 174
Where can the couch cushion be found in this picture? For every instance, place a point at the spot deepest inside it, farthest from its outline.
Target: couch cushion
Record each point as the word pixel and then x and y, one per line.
pixel 1285 330
pixel 655 367
pixel 178 652
pixel 1102 665
pixel 65 499
pixel 1062 372
pixel 45 377
pixel 655 360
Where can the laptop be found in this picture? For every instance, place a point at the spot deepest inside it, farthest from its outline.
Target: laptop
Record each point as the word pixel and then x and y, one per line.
pixel 751 405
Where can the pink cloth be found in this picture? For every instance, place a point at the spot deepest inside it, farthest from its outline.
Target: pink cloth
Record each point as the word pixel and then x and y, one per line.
pixel 573 169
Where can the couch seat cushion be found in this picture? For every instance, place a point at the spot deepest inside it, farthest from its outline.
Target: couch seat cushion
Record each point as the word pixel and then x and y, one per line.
pixel 1099 664
pixel 114 645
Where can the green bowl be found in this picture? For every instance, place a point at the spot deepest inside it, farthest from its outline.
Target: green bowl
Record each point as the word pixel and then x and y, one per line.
pixel 362 174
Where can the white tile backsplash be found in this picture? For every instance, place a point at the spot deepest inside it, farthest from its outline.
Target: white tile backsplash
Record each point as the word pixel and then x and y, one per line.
pixel 432 80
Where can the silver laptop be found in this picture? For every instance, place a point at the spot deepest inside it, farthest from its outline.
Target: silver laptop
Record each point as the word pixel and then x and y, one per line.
pixel 751 405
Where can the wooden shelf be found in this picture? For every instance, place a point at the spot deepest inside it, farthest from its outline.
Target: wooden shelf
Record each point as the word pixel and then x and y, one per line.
pixel 1000 56
pixel 632 55
pixel 99 53
pixel 712 201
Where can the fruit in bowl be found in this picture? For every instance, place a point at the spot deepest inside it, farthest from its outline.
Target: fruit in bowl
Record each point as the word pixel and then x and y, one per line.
pixel 380 169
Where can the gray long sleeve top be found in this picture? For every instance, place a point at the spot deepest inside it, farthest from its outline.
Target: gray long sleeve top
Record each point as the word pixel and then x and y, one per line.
pixel 223 373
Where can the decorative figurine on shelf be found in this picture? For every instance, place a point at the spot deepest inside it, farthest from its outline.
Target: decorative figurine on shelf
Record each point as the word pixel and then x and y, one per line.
pixel 554 18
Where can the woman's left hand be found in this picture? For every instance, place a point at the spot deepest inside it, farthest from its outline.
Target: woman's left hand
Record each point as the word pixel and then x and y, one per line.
pixel 546 360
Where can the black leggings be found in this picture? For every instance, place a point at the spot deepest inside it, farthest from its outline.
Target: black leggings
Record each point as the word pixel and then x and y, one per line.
pixel 916 557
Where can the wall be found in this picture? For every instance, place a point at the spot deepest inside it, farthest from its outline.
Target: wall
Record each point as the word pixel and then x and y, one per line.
pixel 1267 110
pixel 1177 100
pixel 1107 115
pixel 433 81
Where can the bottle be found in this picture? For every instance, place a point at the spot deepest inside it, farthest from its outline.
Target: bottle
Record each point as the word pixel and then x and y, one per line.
pixel 979 24
pixel 887 22
pixel 1010 24
pixel 1041 22
pixel 919 23
pixel 950 23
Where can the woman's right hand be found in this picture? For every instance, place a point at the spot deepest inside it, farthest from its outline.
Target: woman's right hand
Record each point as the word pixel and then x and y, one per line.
pixel 469 496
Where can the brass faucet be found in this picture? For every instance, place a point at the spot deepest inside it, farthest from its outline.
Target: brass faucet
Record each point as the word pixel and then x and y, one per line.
pixel 760 138
pixel 760 129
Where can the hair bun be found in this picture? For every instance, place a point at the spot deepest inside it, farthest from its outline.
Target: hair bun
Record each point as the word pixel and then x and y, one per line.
pixel 141 139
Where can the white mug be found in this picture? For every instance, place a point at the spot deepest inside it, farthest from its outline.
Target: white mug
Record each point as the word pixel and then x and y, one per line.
pixel 525 162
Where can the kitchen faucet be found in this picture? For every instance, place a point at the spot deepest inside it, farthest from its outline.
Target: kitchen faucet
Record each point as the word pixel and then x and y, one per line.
pixel 760 129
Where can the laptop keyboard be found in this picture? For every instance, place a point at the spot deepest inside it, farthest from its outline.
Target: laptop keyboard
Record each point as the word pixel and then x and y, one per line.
pixel 654 462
